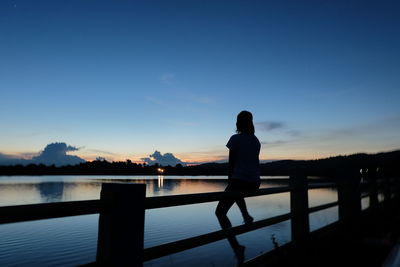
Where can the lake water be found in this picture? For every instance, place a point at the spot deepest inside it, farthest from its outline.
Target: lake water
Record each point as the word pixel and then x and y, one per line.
pixel 72 241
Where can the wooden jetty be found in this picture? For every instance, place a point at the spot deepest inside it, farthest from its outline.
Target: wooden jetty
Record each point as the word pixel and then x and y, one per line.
pixel 122 213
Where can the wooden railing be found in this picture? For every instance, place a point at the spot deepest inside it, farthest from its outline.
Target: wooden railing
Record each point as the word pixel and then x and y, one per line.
pixel 122 207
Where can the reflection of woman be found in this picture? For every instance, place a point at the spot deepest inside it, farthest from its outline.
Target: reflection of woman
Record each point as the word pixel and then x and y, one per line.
pixel 243 175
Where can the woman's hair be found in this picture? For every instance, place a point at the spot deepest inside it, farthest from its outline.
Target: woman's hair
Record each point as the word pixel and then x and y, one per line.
pixel 244 123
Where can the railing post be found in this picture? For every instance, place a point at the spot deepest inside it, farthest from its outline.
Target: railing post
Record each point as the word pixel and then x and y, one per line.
pixel 121 225
pixel 299 206
pixel 349 197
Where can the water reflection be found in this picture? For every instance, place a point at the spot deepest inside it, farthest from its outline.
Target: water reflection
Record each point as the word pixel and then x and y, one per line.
pixel 13 194
pixel 160 181
pixel 16 192
pixel 51 192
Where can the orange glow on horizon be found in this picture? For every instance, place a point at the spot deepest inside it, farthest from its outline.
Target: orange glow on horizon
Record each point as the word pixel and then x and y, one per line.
pixel 197 158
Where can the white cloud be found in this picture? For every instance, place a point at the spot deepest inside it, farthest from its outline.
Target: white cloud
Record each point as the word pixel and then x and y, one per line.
pixel 163 159
pixel 56 153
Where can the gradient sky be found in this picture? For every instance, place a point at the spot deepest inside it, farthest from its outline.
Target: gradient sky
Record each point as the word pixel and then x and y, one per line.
pixel 120 79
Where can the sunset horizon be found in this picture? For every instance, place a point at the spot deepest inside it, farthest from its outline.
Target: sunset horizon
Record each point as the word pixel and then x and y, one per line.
pixel 151 158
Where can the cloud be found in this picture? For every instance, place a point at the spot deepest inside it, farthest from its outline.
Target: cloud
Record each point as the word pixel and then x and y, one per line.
pixel 274 143
pixel 269 125
pixel 56 153
pixel 164 160
pixel 167 77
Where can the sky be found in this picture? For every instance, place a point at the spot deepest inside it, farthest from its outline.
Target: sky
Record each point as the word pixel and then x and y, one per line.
pixel 127 79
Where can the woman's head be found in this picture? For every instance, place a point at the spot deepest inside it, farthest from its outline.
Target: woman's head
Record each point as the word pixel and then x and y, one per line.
pixel 244 123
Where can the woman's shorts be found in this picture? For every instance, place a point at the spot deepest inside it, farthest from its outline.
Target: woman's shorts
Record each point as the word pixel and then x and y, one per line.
pixel 236 185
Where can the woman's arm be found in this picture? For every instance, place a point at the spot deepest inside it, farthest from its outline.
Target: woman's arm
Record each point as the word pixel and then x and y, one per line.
pixel 231 163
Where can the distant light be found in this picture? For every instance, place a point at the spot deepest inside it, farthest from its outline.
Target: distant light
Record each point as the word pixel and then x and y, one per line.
pixel 160 170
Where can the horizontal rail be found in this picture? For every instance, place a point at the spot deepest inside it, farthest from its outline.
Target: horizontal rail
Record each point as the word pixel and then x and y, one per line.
pixel 321 185
pixel 188 243
pixel 323 207
pixel 12 214
pixel 188 199
pixel 30 212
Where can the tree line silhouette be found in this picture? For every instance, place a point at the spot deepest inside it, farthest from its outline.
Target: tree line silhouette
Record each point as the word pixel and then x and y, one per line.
pixel 387 163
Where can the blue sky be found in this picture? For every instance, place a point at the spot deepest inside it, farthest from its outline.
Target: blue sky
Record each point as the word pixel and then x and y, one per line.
pixel 121 79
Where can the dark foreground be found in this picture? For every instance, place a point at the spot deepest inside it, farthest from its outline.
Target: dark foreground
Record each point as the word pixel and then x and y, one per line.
pixel 365 243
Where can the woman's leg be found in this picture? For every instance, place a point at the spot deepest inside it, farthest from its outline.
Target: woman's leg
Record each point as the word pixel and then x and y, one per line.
pixel 221 212
pixel 243 209
pixel 246 187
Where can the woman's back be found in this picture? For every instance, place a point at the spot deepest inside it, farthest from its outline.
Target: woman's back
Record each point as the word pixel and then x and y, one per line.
pixel 246 150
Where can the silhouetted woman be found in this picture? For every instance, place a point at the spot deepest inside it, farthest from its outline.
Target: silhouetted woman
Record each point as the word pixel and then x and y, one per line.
pixel 243 174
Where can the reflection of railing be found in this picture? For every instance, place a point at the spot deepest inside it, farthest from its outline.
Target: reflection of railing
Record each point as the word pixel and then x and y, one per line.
pixel 122 205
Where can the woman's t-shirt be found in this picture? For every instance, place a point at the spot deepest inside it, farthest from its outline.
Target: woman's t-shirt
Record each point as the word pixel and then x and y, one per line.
pixel 246 148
